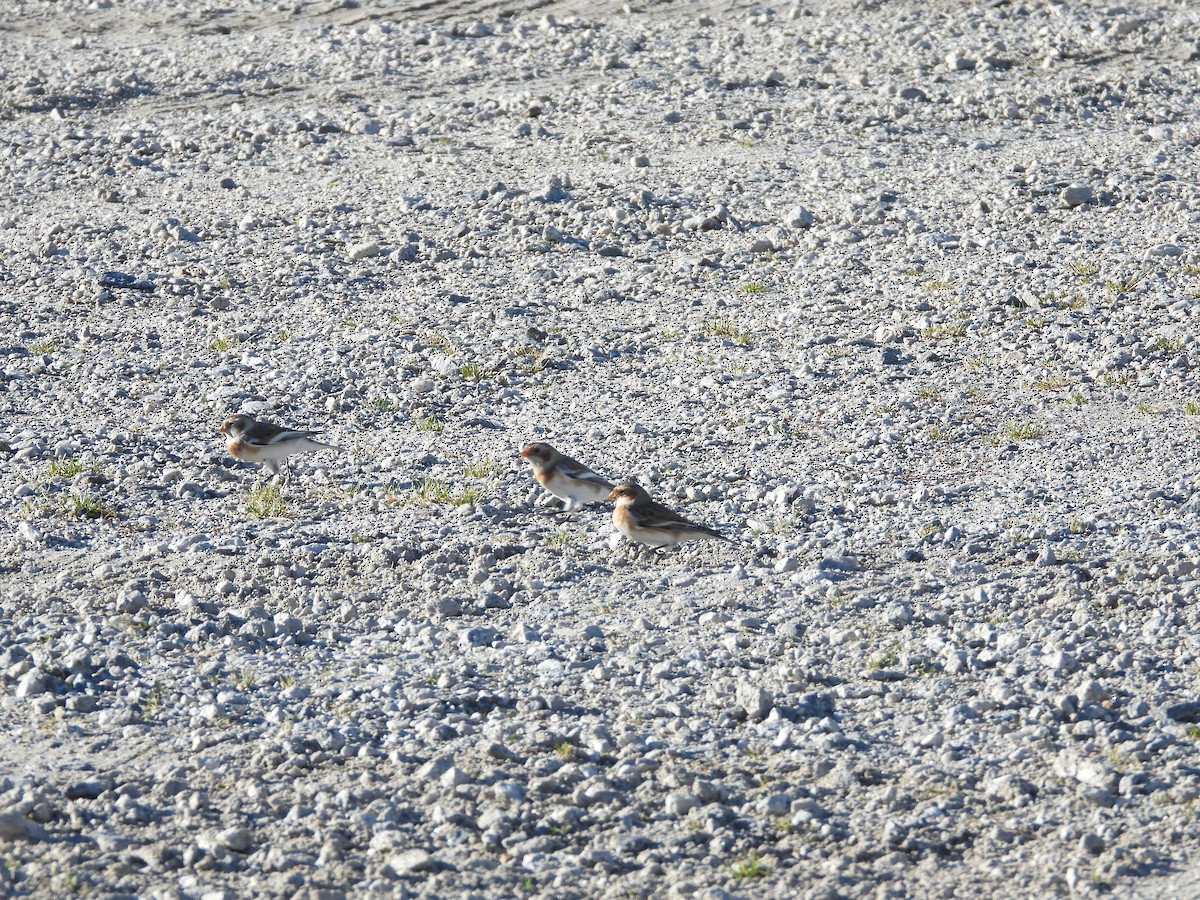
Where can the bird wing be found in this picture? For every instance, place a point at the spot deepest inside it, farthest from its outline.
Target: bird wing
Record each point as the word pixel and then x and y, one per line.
pixel 655 515
pixel 276 436
pixel 573 468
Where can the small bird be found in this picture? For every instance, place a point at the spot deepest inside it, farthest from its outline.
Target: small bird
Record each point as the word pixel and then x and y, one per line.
pixel 564 477
pixel 641 519
pixel 253 441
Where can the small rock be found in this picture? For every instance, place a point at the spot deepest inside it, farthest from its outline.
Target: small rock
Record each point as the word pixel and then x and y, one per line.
pixel 30 533
pixel 681 803
pixel 15 827
pixel 754 700
pixel 32 683
pixel 1077 195
pixel 956 62
pixel 798 217
pixel 368 250
pixel 411 862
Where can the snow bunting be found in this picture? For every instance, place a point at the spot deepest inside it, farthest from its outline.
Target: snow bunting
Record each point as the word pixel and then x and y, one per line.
pixel 641 519
pixel 566 478
pixel 250 440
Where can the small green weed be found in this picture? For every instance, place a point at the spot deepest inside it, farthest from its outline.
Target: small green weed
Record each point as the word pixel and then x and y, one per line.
pixel 750 866
pixel 889 657
pixel 42 347
pixel 481 468
pixel 87 506
pixel 564 538
pixel 433 491
pixel 431 423
pixel 725 329
pixel 267 502
pixel 1051 383
pixel 1022 431
pixel 1085 268
pixel 69 467
pixel 944 330
pixel 977 363
pixel 532 360
pixel 440 342
pixel 754 287
pixel 1124 285
pixel 221 343
pixel 474 371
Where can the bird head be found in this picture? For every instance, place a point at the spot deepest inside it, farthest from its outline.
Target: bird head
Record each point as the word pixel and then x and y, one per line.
pixel 628 492
pixel 235 425
pixel 539 454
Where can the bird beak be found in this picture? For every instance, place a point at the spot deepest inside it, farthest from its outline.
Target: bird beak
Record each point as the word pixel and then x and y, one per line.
pixel 612 495
pixel 524 454
pixel 221 430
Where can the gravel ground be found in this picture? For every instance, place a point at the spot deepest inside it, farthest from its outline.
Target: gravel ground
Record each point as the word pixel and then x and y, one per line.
pixel 902 299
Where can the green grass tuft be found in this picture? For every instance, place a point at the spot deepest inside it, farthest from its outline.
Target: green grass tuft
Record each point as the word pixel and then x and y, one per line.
pixel 267 502
pixel 433 491
pixel 69 467
pixel 1022 431
pixel 750 866
pixel 431 423
pixel 86 506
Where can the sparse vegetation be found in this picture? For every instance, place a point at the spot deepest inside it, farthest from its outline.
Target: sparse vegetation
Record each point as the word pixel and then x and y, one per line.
pixel 431 423
pixel 69 467
pixel 750 866
pixel 944 330
pixel 1124 285
pixel 1051 383
pixel 753 287
pixel 42 347
pixel 88 506
pixel 889 657
pixel 473 371
pixel 434 491
pixel 221 343
pixel 1085 268
pixel 565 538
pixel 723 328
pixel 440 342
pixel 481 468
pixel 532 360
pixel 1022 431
pixel 267 502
